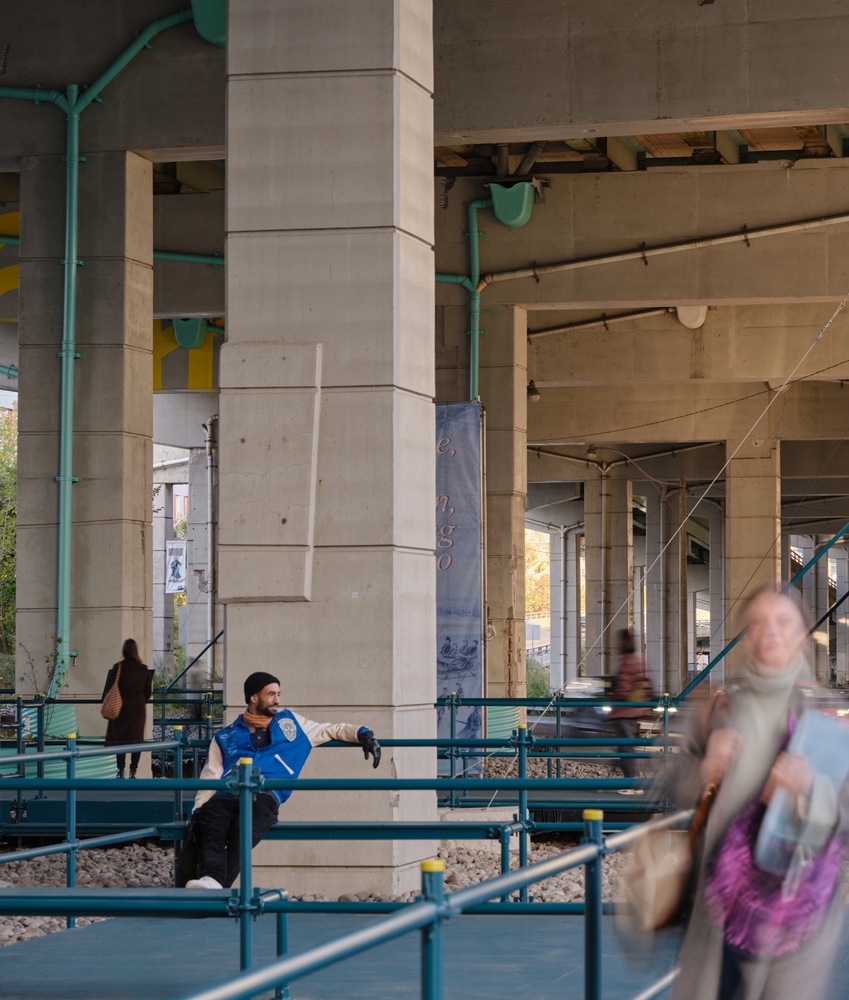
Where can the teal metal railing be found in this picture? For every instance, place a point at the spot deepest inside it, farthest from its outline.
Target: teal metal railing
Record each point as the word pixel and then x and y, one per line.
pixel 246 903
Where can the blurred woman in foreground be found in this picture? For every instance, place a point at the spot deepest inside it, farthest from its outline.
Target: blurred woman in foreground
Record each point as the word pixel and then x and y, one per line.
pixel 754 935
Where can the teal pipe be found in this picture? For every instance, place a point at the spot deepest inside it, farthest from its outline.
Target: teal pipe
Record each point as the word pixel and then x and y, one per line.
pixel 140 42
pixel 475 296
pixel 9 371
pixel 10 240
pixel 454 279
pixel 214 260
pixel 73 104
pixel 69 355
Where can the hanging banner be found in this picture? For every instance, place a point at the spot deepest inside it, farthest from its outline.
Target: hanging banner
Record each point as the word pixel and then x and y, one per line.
pixel 175 567
pixel 459 568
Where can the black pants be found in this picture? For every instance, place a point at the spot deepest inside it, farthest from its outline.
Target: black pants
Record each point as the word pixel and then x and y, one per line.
pixel 121 760
pixel 628 729
pixel 218 833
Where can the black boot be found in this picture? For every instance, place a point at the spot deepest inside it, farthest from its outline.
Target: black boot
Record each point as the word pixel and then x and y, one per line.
pixel 119 773
pixel 132 772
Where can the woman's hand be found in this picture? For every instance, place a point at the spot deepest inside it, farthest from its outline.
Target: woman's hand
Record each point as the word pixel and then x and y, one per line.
pixel 722 747
pixel 790 771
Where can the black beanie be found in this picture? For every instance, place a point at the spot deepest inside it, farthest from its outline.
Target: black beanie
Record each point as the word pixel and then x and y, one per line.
pixel 256 682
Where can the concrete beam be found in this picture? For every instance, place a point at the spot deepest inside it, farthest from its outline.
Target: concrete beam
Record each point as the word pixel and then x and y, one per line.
pixel 736 344
pixel 507 71
pixel 689 412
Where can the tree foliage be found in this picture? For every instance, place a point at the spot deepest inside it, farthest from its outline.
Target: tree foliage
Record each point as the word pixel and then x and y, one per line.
pixel 8 526
pixel 537 571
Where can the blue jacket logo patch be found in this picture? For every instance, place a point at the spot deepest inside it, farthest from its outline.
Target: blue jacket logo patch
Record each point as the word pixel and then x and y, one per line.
pixel 288 728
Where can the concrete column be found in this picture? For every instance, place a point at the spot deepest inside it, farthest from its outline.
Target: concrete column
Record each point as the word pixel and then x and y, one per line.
pixel 807 543
pixel 753 519
pixel 163 604
pixel 821 604
pixel 786 539
pixel 595 618
pixel 572 603
pixel 111 584
pixel 841 617
pixel 503 387
pixel 655 636
pixel 200 575
pixel 557 590
pixel 674 617
pixel 619 564
pixel 718 632
pixel 326 512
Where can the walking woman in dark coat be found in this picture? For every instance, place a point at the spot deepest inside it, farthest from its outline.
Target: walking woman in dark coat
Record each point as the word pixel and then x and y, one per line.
pixel 136 687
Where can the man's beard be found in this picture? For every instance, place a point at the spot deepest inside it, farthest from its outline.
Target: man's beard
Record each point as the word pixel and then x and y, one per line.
pixel 269 710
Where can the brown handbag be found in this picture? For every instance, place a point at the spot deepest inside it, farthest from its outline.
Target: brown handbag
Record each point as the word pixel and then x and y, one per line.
pixel 112 703
pixel 660 871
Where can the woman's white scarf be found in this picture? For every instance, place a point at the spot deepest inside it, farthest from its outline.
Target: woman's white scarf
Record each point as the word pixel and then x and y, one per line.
pixel 759 713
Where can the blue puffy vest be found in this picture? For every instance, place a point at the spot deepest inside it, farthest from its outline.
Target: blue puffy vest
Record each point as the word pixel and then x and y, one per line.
pixel 284 757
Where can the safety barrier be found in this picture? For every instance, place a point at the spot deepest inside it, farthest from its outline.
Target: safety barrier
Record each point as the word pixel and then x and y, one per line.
pixel 245 904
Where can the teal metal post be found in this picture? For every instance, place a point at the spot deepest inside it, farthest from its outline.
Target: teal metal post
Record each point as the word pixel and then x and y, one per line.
pixel 22 768
pixel 523 741
pixel 71 822
pixel 180 737
pixel 282 991
pixel 592 913
pixel 452 759
pixel 433 892
pixel 40 727
pixel 247 786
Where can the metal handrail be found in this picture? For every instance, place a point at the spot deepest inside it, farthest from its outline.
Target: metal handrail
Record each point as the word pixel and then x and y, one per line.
pixel 247 904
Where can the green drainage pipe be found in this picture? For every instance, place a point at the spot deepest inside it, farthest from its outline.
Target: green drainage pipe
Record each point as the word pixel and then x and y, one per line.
pixel 10 371
pixel 73 104
pixel 69 355
pixel 475 296
pixel 215 260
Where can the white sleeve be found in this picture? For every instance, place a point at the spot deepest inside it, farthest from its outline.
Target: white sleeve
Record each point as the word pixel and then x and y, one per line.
pixel 212 769
pixel 818 813
pixel 322 732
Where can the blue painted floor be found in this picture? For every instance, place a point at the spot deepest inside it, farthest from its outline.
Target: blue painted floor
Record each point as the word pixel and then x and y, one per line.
pixel 486 958
pixel 520 958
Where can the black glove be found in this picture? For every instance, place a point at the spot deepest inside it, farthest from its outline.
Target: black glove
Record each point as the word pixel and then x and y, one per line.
pixel 369 745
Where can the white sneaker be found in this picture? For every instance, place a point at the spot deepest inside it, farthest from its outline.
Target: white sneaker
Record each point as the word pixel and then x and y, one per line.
pixel 204 882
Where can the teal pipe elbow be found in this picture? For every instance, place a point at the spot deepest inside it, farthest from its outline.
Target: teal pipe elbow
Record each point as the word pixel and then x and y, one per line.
pixel 140 42
pixel 455 279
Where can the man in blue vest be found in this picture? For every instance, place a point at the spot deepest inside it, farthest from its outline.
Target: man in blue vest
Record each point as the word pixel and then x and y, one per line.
pixel 279 742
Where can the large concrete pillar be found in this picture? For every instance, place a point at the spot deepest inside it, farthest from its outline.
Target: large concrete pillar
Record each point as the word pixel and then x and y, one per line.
pixel 111 584
pixel 819 608
pixel 326 512
pixel 655 643
pixel 163 604
pixel 717 592
pixel 594 562
pixel 503 387
pixel 841 617
pixel 753 520
pixel 572 631
pixel 557 593
pixel 619 564
pixel 203 616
